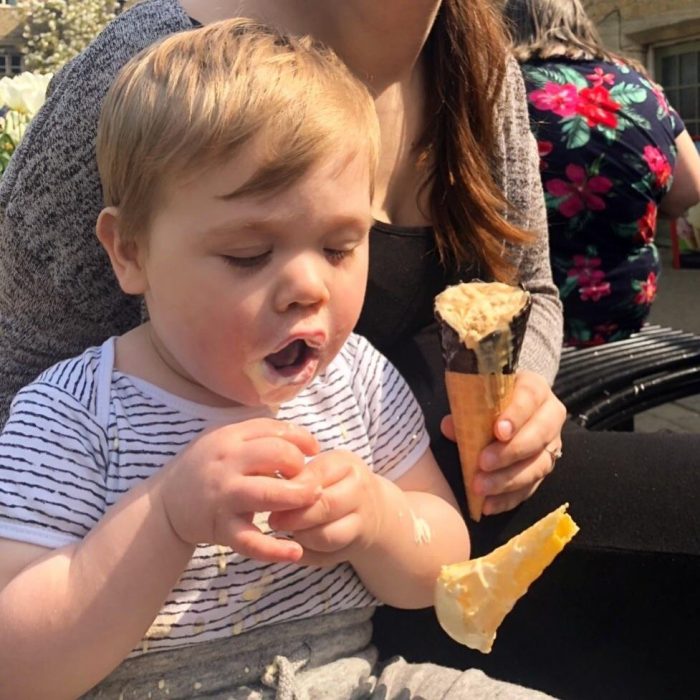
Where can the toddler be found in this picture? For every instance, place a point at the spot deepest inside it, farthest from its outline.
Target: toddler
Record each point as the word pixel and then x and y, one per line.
pixel 213 503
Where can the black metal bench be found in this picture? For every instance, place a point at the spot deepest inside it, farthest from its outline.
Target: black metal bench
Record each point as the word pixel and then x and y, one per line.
pixel 606 386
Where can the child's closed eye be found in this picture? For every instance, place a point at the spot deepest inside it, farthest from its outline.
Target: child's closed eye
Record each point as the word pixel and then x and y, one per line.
pixel 336 255
pixel 248 261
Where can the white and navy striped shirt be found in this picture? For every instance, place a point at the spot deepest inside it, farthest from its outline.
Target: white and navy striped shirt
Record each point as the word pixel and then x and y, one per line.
pixel 82 434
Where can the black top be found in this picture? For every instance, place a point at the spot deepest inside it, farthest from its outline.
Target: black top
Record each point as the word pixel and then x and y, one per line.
pixel 405 274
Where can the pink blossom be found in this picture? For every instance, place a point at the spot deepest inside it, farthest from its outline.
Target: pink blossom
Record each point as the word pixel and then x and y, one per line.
pixel 598 108
pixel 647 293
pixel 646 226
pixel 595 292
pixel 599 77
pixel 557 98
pixel 586 271
pixel 658 164
pixel 581 192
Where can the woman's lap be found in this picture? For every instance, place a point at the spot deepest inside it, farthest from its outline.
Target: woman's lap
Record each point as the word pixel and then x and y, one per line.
pixel 614 613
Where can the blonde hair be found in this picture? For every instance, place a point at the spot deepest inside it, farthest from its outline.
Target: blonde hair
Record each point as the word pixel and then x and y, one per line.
pixel 194 99
pixel 549 28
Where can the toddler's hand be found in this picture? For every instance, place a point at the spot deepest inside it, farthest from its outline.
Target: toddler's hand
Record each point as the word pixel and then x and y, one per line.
pixel 211 491
pixel 347 516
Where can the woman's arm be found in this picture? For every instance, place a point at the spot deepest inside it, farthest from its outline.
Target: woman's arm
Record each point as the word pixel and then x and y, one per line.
pixel 685 190
pixel 517 170
pixel 51 264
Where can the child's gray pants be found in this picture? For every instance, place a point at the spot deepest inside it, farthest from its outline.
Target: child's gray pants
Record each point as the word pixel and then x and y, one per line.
pixel 323 658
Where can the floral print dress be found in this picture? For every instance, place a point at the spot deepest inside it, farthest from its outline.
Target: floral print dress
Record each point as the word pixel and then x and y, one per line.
pixel 606 137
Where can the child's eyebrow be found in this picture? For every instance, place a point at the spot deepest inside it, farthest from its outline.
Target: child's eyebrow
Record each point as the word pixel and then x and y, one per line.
pixel 274 225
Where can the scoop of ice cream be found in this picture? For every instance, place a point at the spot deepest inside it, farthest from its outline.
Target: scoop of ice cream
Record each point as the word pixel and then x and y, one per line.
pixel 482 326
pixel 477 309
pixel 473 597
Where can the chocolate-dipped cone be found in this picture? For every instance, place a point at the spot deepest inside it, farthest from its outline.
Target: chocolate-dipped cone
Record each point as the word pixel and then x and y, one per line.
pixel 482 327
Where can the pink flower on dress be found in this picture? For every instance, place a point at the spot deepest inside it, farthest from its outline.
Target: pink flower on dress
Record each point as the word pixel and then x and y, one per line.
pixel 647 293
pixel 646 226
pixel 658 164
pixel 557 98
pixel 595 292
pixel 592 286
pixel 581 192
pixel 597 107
pixel 599 77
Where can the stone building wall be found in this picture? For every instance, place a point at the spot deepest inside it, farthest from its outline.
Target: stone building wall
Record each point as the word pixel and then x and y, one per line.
pixel 664 35
pixel 635 27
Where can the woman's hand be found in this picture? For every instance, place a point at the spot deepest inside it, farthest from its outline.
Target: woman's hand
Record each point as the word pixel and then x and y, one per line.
pixel 528 440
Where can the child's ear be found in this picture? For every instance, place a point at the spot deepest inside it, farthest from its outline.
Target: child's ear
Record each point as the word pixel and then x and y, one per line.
pixel 126 256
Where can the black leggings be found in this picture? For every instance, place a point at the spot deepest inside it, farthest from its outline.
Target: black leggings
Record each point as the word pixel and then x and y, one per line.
pixel 617 614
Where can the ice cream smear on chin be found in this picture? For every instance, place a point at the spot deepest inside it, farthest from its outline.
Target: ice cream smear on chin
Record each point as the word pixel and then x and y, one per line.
pixel 282 374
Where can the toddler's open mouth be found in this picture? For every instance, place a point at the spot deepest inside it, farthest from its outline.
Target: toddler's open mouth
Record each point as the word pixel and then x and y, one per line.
pixel 282 374
pixel 293 359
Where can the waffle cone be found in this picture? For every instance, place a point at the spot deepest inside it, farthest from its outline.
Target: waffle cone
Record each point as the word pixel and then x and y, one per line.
pixel 473 597
pixel 475 401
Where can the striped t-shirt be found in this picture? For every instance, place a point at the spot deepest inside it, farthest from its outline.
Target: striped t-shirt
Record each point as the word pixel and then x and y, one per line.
pixel 83 433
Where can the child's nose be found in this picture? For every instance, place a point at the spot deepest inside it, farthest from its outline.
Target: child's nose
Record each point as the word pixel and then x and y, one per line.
pixel 302 282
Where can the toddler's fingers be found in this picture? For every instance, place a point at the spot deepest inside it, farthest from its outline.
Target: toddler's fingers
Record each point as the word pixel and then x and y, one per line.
pixel 252 543
pixel 264 493
pixel 270 456
pixel 269 427
pixel 331 537
pixel 335 501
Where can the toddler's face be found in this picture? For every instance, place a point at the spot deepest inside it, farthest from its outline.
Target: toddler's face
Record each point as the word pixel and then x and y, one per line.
pixel 252 296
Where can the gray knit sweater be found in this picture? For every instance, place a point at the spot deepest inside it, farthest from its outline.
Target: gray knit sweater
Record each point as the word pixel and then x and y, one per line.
pixel 57 291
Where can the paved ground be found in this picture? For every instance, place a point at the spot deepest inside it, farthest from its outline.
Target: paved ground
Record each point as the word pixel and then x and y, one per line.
pixel 677 306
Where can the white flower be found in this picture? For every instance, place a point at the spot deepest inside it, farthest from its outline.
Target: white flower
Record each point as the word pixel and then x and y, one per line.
pixel 24 93
pixel 693 216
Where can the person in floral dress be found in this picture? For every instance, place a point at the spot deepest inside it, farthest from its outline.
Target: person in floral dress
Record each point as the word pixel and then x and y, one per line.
pixel 608 143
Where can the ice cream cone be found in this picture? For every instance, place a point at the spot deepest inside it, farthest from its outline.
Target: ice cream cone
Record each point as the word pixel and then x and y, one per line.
pixel 475 401
pixel 473 597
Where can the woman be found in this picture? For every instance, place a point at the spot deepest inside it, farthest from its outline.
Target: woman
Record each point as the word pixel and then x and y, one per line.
pixel 57 294
pixel 613 156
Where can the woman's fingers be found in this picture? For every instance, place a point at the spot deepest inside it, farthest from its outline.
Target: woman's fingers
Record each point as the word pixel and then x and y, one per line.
pixel 530 392
pixel 507 501
pixel 541 430
pixel 447 427
pixel 516 477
